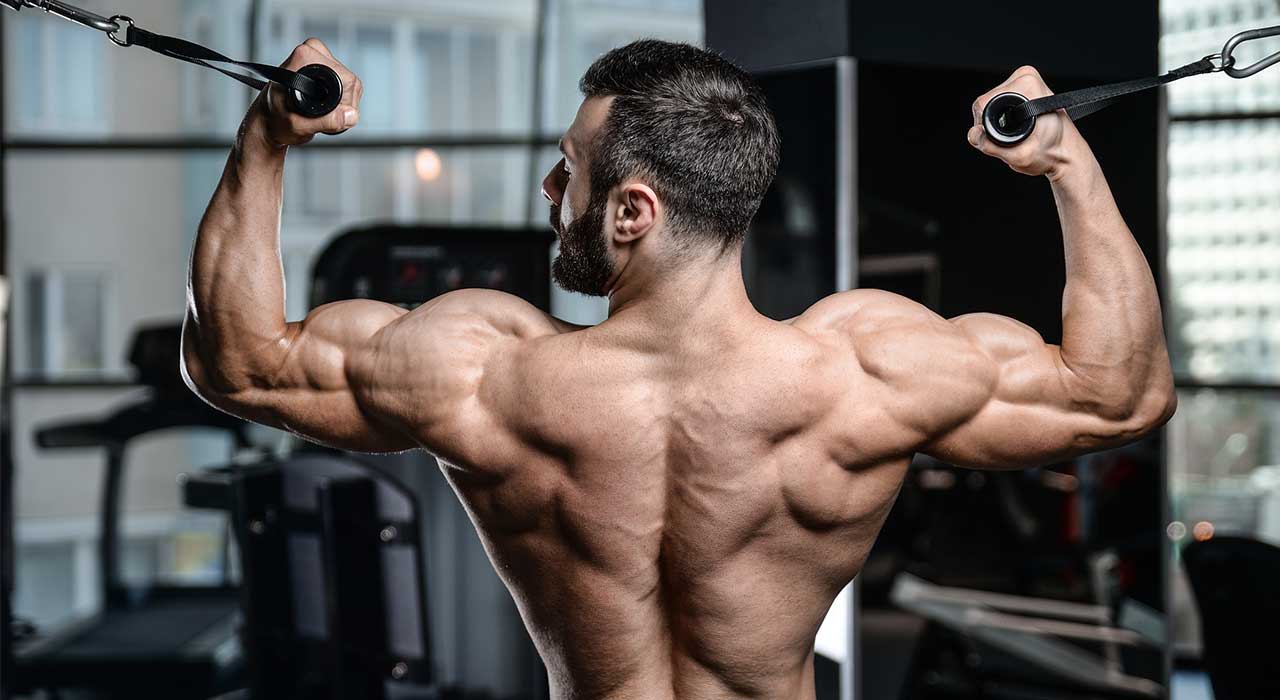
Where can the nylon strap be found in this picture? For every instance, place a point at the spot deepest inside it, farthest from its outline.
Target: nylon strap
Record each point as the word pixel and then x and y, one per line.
pixel 1081 103
pixel 190 52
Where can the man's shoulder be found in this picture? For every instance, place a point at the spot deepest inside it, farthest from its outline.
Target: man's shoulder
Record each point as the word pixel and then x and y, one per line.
pixel 890 336
pixel 454 344
pixel 505 314
pixel 846 315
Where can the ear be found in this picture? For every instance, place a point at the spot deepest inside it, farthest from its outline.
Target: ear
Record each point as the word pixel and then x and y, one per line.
pixel 636 213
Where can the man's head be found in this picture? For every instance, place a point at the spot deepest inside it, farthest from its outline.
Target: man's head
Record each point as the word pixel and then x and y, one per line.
pixel 672 143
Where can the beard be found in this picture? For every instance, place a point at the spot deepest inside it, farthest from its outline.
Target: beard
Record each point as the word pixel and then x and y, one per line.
pixel 583 265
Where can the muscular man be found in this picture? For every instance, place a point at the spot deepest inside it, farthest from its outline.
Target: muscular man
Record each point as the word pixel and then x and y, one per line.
pixel 675 496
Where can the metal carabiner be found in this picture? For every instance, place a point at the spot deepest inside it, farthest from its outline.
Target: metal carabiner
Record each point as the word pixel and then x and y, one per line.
pixel 68 12
pixel 1229 61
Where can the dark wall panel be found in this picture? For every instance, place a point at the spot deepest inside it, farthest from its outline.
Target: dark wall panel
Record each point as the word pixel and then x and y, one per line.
pixel 1097 39
pixel 997 232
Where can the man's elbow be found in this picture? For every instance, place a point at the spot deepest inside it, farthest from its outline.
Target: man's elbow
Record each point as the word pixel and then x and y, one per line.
pixel 1152 407
pixel 205 374
pixel 196 374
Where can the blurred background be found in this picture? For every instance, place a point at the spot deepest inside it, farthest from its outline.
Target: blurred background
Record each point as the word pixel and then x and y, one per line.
pixel 110 156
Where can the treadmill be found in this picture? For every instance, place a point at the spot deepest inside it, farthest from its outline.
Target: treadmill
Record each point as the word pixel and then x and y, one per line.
pixel 160 641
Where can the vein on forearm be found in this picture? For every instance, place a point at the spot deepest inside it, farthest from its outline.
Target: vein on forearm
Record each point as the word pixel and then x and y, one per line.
pixel 1112 329
pixel 237 280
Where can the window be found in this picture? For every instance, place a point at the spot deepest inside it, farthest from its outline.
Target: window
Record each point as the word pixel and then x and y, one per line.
pixel 55 93
pixel 65 328
pixel 1223 305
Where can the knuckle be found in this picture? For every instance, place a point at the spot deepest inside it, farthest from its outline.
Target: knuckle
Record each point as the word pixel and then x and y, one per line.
pixel 1032 86
pixel 314 43
pixel 1027 70
pixel 299 57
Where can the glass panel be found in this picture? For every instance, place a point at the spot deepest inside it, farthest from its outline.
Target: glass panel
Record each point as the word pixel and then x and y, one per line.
pixel 26 88
pixel 439 68
pixel 84 301
pixel 45 589
pixel 134 218
pixel 436 81
pixel 37 329
pixel 372 59
pixel 69 82
pixel 584 29
pixel 1224 464
pixel 1193 29
pixel 1224 479
pixel 1224 249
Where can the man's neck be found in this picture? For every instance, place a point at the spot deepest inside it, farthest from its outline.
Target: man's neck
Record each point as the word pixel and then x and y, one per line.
pixel 695 293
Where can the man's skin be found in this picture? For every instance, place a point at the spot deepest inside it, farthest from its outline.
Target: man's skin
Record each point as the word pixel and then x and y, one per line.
pixel 675 496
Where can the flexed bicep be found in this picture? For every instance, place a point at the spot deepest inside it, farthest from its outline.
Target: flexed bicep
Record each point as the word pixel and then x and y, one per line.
pixel 310 381
pixel 1039 409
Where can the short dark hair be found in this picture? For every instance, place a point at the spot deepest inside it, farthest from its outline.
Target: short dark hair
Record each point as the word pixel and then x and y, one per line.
pixel 694 126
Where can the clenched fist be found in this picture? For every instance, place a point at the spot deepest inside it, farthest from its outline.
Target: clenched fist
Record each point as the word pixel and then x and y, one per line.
pixel 282 127
pixel 1047 149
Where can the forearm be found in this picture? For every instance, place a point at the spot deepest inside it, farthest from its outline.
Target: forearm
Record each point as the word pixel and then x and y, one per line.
pixel 235 308
pixel 1113 337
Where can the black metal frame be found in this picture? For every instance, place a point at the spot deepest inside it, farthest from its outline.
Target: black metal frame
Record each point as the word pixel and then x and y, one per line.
pixel 355 650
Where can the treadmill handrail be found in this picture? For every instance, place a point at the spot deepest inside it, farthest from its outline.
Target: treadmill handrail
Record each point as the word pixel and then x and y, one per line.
pixel 137 419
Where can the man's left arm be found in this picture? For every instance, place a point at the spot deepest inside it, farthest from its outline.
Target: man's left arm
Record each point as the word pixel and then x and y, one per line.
pixel 239 354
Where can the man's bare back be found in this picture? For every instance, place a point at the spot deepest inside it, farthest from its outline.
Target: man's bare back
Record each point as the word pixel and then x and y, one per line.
pixel 675 515
pixel 676 496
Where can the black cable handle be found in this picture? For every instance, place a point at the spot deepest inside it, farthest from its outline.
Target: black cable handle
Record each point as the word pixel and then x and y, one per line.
pixel 1009 118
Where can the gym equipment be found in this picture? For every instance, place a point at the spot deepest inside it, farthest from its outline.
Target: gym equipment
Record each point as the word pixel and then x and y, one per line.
pixel 313 91
pixel 407 265
pixel 984 643
pixel 1235 580
pixel 1009 118
pixel 155 642
pixel 332 592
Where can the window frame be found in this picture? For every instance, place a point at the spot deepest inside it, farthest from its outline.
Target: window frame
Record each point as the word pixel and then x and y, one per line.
pixel 531 139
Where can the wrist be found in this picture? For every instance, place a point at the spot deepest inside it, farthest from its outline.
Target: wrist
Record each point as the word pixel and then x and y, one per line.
pixel 254 138
pixel 1072 159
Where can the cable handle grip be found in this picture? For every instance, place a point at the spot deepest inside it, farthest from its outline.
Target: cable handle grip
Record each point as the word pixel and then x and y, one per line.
pixel 327 98
pixel 1002 122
